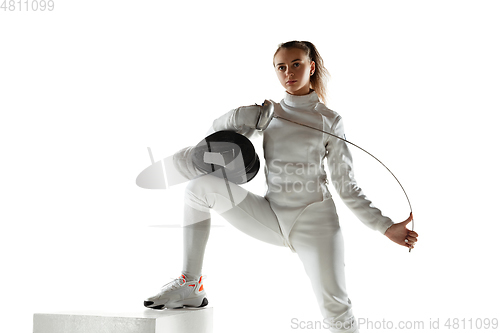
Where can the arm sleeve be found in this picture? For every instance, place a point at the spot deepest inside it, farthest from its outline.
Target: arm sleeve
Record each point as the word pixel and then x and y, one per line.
pixel 340 165
pixel 239 120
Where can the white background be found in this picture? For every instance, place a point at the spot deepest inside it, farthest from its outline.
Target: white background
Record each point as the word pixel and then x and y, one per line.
pixel 86 88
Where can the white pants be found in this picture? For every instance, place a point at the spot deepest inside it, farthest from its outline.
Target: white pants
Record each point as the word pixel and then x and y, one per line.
pixel 316 238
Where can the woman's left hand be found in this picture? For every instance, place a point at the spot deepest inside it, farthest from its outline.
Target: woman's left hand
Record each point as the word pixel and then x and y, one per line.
pixel 398 233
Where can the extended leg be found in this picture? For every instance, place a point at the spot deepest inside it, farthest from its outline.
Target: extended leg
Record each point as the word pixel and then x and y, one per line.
pixel 317 239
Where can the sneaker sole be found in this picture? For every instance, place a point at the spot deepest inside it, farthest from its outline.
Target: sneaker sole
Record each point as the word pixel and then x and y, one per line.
pixel 148 304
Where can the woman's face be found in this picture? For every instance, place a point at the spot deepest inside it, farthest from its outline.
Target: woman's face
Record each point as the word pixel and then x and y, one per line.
pixel 294 70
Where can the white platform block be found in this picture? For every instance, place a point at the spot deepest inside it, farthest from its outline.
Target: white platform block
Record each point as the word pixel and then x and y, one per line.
pixel 146 321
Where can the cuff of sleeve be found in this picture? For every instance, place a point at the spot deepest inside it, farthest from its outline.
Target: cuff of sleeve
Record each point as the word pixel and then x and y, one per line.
pixel 382 227
pixel 247 116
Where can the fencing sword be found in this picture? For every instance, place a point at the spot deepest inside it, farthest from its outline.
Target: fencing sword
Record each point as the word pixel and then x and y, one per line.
pixel 270 106
pixel 265 117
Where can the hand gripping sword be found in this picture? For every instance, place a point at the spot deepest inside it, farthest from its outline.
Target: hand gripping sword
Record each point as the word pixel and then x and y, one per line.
pixel 268 112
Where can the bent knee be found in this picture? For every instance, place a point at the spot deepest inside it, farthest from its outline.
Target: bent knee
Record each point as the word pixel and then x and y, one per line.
pixel 205 184
pixel 202 192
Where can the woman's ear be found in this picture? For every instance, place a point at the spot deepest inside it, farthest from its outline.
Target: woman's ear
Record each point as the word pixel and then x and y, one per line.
pixel 313 67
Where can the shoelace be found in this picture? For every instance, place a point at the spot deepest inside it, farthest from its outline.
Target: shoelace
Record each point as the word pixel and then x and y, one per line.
pixel 177 282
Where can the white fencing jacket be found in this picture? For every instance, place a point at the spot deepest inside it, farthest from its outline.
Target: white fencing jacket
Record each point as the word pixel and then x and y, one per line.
pixel 294 161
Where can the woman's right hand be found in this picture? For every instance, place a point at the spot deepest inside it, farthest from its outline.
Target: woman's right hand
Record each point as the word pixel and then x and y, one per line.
pixel 256 116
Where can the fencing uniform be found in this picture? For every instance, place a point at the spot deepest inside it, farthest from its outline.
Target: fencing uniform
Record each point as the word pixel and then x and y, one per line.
pixel 297 210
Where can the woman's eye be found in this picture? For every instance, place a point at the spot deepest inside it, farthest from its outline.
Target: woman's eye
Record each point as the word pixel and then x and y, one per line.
pixel 296 64
pixel 280 68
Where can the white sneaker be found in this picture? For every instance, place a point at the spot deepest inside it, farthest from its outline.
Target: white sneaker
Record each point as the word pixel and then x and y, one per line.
pixel 178 294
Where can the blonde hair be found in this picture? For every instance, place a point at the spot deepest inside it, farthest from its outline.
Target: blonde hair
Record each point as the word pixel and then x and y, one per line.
pixel 320 77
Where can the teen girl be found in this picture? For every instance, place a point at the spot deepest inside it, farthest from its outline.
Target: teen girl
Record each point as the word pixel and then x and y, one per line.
pixel 297 210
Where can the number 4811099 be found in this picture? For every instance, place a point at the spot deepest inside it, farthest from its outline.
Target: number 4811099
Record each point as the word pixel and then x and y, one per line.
pixel 27 5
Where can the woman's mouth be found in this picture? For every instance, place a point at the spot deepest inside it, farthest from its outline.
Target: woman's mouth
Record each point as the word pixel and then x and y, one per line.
pixel 291 81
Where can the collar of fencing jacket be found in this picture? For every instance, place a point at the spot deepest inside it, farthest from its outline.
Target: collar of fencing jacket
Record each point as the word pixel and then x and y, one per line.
pixel 302 101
